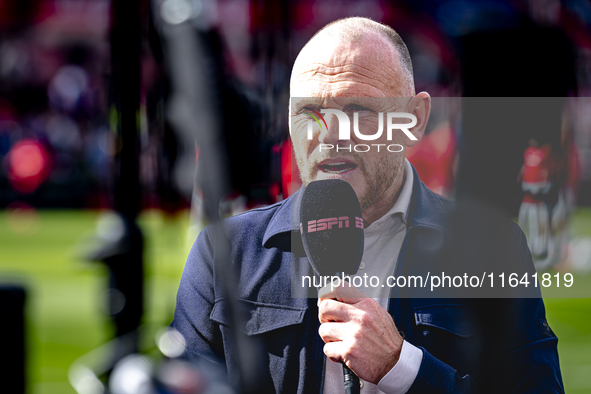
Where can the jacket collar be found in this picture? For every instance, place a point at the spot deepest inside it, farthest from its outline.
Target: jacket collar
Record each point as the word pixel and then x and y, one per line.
pixel 283 231
pixel 426 210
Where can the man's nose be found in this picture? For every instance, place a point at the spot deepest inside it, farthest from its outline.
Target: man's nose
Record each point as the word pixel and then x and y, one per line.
pixel 329 133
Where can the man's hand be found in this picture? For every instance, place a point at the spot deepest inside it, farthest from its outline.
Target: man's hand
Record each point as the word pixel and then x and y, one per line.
pixel 358 332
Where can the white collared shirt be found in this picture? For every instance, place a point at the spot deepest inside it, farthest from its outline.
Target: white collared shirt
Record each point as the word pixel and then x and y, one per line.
pixel 382 242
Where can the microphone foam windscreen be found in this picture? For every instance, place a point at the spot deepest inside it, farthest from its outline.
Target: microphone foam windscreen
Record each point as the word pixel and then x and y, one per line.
pixel 331 226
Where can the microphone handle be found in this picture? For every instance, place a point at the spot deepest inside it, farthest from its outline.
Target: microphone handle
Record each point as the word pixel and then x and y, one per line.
pixel 351 381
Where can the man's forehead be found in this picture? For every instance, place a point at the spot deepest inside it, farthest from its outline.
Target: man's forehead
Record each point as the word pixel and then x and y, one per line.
pixel 372 103
pixel 333 66
pixel 347 84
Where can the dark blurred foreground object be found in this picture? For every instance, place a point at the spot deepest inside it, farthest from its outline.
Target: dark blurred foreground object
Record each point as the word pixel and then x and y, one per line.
pixel 237 113
pixel 197 109
pixel 513 91
pixel 12 334
pixel 120 240
pixel 514 81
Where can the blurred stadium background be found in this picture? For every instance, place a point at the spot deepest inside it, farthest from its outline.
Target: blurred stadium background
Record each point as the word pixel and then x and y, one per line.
pixel 75 171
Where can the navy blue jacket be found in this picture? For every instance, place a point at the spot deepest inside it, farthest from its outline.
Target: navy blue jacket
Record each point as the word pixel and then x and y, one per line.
pixel 469 345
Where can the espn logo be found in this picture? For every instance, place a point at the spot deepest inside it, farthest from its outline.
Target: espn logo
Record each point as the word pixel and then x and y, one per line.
pixel 328 223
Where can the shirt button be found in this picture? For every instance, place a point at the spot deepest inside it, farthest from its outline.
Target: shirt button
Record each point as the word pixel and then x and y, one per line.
pixel 362 265
pixel 361 384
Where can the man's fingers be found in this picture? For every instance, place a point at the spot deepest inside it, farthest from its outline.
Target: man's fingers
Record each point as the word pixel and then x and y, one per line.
pixel 334 351
pixel 344 292
pixel 331 310
pixel 333 332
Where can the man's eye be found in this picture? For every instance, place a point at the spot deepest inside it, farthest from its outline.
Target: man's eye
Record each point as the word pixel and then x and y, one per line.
pixel 309 109
pixel 355 108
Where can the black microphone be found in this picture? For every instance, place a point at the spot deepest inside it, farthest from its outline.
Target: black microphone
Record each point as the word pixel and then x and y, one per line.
pixel 331 226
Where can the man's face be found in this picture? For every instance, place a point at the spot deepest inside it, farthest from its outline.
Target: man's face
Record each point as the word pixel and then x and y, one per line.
pixel 370 173
pixel 352 77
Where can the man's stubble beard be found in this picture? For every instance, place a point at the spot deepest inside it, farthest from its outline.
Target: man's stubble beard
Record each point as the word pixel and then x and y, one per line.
pixel 378 179
pixel 383 177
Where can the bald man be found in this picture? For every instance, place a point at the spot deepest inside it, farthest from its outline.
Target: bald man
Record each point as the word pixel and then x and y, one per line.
pixel 357 66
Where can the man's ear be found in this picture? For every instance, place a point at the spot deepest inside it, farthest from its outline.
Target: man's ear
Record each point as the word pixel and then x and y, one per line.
pixel 420 106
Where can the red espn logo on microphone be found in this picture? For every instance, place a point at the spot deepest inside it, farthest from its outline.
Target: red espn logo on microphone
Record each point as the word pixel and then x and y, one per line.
pixel 328 223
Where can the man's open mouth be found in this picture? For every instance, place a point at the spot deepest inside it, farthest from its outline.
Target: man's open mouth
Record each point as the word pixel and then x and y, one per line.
pixel 337 167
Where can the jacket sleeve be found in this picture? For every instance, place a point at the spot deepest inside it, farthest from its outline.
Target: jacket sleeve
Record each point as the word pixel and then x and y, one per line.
pixel 515 351
pixel 527 363
pixel 195 301
pixel 437 377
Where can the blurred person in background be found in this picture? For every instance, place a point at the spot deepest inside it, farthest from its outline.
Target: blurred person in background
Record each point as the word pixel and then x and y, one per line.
pixel 536 183
pixel 544 210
